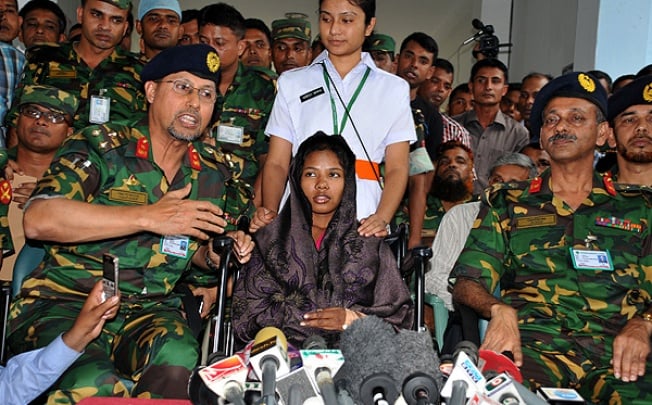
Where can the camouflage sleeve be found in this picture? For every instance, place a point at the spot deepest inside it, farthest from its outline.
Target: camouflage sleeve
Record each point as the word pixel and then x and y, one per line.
pixel 74 173
pixel 485 250
pixel 267 95
pixel 6 243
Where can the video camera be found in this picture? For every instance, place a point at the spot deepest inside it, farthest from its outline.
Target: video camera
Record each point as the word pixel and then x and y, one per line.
pixel 488 41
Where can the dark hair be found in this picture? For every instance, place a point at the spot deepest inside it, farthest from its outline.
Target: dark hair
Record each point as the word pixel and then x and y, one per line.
pixel 45 5
pixel 368 6
pixel 599 74
pixel 442 148
pixel 537 75
pixel 189 15
pixel 425 41
pixel 444 64
pixel 515 86
pixel 223 15
pixel 256 24
pixel 130 23
pixel 320 142
pixel 488 63
pixel 461 88
pixel 617 83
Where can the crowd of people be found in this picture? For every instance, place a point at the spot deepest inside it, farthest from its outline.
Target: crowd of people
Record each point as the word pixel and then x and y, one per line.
pixel 535 195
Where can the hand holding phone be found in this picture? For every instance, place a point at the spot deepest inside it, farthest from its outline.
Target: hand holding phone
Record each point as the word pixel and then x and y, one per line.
pixel 110 267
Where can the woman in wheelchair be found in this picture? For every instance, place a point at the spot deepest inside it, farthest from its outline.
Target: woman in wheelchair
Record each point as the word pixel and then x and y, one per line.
pixel 311 272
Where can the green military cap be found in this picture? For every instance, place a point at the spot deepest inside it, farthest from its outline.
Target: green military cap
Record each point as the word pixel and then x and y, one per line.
pixel 50 97
pixel 122 4
pixel 291 28
pixel 381 42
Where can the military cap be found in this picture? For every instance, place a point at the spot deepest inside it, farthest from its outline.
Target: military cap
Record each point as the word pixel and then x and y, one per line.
pixel 50 97
pixel 291 28
pixel 146 6
pixel 637 92
pixel 572 85
pixel 199 59
pixel 122 4
pixel 381 42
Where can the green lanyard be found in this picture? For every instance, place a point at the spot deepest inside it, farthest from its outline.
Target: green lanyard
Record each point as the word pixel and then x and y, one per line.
pixel 336 130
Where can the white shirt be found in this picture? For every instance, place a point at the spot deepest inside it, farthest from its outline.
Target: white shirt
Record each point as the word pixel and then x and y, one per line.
pixel 451 237
pixel 381 114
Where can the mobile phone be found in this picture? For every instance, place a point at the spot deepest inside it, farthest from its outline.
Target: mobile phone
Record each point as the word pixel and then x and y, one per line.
pixel 110 266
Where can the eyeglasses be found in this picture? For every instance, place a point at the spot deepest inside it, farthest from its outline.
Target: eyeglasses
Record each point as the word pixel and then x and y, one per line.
pixel 33 112
pixel 180 86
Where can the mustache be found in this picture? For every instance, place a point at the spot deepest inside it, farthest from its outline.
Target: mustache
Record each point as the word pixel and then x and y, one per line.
pixel 562 137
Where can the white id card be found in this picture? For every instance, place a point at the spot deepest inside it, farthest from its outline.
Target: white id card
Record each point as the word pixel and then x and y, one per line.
pixel 175 245
pixel 100 109
pixel 591 259
pixel 230 134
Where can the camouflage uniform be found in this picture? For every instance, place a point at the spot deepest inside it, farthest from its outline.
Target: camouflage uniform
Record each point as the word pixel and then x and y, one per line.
pixel 53 99
pixel 112 165
pixel 247 104
pixel 567 318
pixel 6 243
pixel 60 66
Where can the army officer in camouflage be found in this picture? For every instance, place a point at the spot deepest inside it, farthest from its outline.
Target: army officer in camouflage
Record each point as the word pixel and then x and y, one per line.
pixel 105 78
pixel 152 194
pixel 573 256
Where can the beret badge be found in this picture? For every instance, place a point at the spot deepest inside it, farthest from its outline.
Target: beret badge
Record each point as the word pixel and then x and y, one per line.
pixel 586 82
pixel 212 62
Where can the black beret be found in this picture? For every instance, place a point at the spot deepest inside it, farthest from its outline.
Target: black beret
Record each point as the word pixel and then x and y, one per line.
pixel 572 85
pixel 637 92
pixel 200 60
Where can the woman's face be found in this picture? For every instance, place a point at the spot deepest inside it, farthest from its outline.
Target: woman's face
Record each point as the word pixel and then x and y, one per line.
pixel 342 27
pixel 322 182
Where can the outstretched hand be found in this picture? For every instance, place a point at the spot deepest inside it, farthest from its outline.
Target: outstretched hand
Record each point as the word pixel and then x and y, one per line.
pixel 174 214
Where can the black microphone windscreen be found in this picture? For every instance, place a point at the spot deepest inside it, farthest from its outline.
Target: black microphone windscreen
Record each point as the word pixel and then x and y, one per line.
pixel 477 24
pixel 419 365
pixel 314 342
pixel 368 348
pixel 469 348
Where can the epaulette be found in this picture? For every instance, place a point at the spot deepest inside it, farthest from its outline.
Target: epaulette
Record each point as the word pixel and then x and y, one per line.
pixel 635 190
pixel 265 73
pixel 492 192
pixel 44 53
pixel 103 138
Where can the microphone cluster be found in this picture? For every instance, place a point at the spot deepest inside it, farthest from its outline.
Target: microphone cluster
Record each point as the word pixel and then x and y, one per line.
pixel 376 365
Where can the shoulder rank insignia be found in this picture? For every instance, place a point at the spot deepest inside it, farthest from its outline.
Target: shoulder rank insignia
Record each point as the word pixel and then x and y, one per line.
pixel 193 156
pixel 535 185
pixel 142 148
pixel 6 192
pixel 608 184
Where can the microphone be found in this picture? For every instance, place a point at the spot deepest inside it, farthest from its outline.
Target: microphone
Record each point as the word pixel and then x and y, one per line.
pixel 506 390
pixel 224 378
pixel 477 24
pixel 269 358
pixel 465 379
pixel 419 367
pixel 368 346
pixel 322 363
